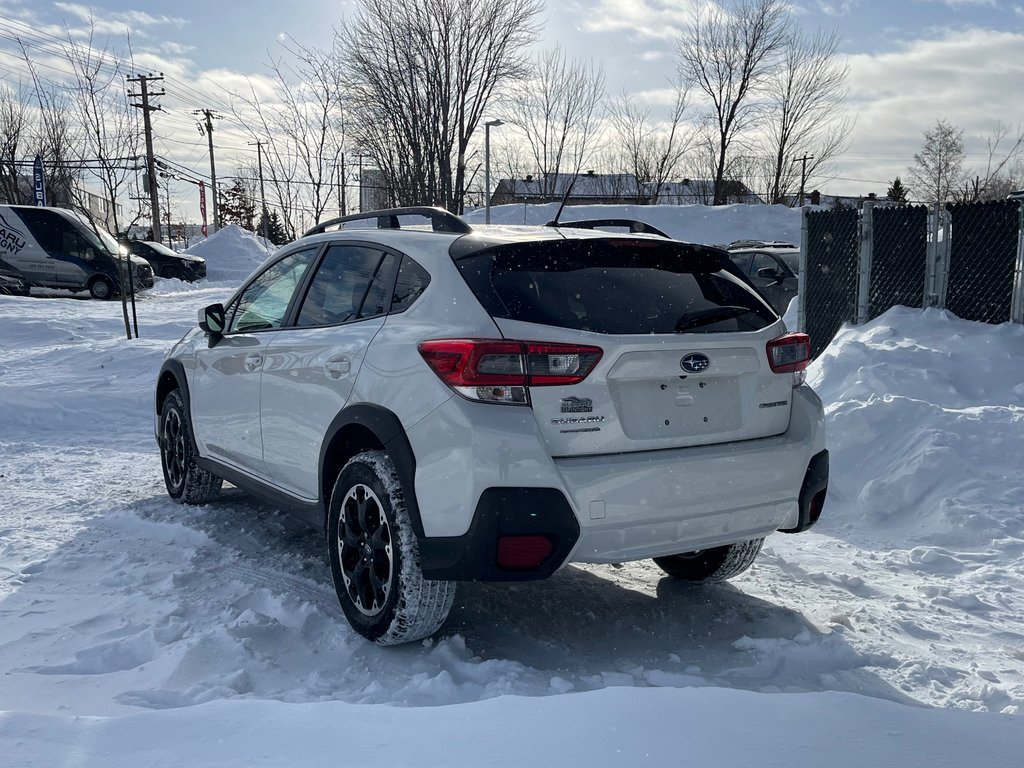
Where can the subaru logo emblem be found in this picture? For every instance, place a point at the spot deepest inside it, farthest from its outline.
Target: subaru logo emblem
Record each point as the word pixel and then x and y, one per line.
pixel 694 362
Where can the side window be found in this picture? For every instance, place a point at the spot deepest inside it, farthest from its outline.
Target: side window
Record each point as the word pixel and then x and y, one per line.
pixel 412 281
pixel 341 286
pixel 763 261
pixel 741 260
pixel 264 303
pixel 75 245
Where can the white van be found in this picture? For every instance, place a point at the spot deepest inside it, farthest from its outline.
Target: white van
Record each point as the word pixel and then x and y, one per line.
pixel 59 248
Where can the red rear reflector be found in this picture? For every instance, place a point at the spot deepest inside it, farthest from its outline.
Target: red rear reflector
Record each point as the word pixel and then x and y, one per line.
pixel 519 553
pixel 789 353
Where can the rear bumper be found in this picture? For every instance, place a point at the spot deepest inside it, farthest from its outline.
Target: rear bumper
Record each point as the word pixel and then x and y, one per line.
pixel 626 506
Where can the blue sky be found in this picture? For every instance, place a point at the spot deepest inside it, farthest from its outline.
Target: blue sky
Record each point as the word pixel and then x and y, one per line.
pixel 912 61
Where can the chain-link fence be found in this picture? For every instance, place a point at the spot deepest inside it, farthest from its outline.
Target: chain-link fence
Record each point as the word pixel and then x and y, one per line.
pixel 829 274
pixel 858 264
pixel 899 244
pixel 982 258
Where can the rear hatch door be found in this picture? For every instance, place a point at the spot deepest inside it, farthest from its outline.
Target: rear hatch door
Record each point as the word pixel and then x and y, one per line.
pixel 683 340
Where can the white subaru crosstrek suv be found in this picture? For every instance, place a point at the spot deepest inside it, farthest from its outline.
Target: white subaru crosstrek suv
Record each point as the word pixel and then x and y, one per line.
pixel 450 404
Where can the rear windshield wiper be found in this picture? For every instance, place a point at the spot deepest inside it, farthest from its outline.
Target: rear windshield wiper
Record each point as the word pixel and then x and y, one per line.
pixel 710 315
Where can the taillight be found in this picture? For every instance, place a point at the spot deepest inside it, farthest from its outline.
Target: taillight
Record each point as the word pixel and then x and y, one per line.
pixel 500 371
pixel 789 353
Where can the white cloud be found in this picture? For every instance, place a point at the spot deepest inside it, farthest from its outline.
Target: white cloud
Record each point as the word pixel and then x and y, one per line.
pixel 651 19
pixel 966 76
pixel 116 21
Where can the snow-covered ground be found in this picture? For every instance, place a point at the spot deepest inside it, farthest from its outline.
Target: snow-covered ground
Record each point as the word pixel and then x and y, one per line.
pixel 136 632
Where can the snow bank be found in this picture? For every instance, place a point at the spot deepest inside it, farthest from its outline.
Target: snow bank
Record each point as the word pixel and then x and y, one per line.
pixel 231 253
pixel 614 728
pixel 692 223
pixel 926 427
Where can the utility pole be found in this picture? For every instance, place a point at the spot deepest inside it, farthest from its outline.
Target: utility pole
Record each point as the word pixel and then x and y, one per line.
pixel 210 117
pixel 145 95
pixel 341 186
pixel 803 174
pixel 263 194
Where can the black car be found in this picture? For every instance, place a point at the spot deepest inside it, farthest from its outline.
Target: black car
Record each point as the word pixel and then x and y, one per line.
pixel 168 263
pixel 12 283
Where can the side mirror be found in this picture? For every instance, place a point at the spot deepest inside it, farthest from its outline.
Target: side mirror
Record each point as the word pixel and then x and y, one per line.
pixel 768 273
pixel 211 319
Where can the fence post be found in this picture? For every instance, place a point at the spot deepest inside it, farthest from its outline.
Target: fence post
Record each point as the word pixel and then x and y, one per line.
pixel 1017 302
pixel 864 263
pixel 942 250
pixel 805 240
pixel 931 292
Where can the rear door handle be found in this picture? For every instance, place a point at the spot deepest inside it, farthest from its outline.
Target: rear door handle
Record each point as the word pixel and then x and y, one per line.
pixel 253 362
pixel 336 367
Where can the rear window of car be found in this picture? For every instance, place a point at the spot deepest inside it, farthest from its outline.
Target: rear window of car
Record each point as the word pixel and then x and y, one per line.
pixel 615 286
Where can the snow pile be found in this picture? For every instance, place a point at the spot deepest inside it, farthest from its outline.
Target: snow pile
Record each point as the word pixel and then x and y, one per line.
pixel 692 223
pixel 231 253
pixel 926 427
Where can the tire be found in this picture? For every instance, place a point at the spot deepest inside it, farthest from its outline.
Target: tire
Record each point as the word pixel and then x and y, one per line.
pixel 186 481
pixel 375 561
pixel 171 273
pixel 101 288
pixel 711 565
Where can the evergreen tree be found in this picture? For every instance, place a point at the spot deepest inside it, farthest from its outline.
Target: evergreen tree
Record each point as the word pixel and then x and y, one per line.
pixel 897 193
pixel 275 229
pixel 237 206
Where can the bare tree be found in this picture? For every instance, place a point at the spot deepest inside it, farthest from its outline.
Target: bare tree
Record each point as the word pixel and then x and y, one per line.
pixel 15 124
pixel 421 75
pixel 110 136
pixel 652 149
pixel 729 55
pixel 559 113
pixel 938 168
pixel 302 130
pixel 1003 168
pixel 55 136
pixel 804 115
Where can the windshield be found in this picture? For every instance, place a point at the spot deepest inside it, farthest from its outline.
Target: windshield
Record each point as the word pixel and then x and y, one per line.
pixel 161 248
pixel 99 237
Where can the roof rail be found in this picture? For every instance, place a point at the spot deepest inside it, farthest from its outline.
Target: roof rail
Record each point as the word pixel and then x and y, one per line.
pixel 440 219
pixel 760 244
pixel 635 226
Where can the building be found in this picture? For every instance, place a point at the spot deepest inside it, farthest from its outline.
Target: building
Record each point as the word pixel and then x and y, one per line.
pixel 702 192
pixel 589 189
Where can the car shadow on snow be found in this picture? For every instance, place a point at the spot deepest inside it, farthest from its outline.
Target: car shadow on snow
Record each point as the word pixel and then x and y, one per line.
pixel 588 626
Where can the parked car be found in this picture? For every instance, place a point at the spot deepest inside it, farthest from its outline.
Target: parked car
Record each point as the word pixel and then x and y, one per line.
pixel 12 283
pixel 168 263
pixel 450 405
pixel 773 267
pixel 59 248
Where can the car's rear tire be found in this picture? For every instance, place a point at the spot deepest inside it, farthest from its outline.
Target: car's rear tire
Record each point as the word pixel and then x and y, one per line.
pixel 375 560
pixel 186 481
pixel 711 565
pixel 101 288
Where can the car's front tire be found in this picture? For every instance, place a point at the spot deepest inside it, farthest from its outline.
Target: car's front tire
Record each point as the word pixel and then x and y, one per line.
pixel 711 565
pixel 102 288
pixel 186 481
pixel 375 560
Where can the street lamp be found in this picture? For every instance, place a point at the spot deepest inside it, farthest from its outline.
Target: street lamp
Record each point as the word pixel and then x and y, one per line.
pixel 487 168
